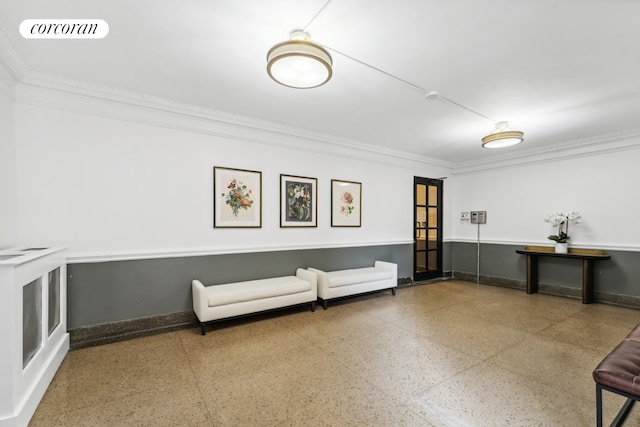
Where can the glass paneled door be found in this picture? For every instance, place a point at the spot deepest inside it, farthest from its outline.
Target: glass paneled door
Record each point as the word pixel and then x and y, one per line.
pixel 427 239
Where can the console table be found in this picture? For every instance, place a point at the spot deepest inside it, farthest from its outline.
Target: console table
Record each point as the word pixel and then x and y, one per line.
pixel 588 257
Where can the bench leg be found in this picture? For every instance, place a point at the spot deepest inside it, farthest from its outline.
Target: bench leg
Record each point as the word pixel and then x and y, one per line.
pixel 624 411
pixel 620 416
pixel 598 405
pixel 313 306
pixel 203 328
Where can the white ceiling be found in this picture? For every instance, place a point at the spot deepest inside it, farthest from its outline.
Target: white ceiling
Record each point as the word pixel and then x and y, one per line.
pixel 560 71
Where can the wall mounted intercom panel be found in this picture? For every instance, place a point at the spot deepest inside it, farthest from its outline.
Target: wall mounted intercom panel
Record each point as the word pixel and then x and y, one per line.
pixel 478 217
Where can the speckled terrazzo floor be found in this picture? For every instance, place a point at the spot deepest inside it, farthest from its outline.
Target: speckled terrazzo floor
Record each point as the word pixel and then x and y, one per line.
pixel 450 353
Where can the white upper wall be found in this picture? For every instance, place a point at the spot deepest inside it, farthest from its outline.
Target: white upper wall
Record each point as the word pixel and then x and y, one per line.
pixel 112 180
pixel 601 186
pixel 116 180
pixel 8 212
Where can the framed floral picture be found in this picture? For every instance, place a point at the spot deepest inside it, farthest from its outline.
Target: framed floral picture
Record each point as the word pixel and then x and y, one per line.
pixel 298 201
pixel 346 203
pixel 237 198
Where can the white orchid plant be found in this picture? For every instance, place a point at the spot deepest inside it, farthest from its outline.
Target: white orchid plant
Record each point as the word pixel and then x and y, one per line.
pixel 562 220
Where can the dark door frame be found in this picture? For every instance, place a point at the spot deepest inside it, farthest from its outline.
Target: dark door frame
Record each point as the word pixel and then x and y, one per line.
pixel 421 274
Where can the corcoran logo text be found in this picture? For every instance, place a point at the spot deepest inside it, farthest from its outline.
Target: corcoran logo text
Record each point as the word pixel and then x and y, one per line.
pixel 64 29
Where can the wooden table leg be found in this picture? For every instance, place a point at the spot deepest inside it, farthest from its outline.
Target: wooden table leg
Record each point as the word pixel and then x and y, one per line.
pixel 587 281
pixel 532 274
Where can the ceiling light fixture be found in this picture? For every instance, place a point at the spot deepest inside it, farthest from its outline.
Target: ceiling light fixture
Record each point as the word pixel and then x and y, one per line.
pixel 299 63
pixel 503 136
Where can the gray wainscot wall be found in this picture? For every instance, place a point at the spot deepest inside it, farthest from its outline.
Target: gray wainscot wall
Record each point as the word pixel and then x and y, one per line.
pixel 111 301
pixel 615 280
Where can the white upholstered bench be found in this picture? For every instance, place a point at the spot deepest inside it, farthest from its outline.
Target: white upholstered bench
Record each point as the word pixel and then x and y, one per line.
pixel 236 299
pixel 341 283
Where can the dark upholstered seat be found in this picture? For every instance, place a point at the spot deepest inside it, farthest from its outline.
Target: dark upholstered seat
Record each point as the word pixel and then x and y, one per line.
pixel 634 334
pixel 619 373
pixel 620 369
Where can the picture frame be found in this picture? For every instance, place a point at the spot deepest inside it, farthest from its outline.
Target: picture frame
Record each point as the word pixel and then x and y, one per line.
pixel 298 201
pixel 346 203
pixel 237 198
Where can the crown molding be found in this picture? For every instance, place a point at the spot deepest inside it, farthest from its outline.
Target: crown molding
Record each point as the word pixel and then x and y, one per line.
pixel 166 113
pixel 12 66
pixel 272 133
pixel 11 59
pixel 594 145
pixel 297 138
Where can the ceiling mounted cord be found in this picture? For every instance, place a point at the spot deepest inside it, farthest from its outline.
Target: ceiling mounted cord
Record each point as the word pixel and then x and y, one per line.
pixel 467 108
pixel 315 16
pixel 301 63
pixel 503 136
pixel 376 69
pixel 414 86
